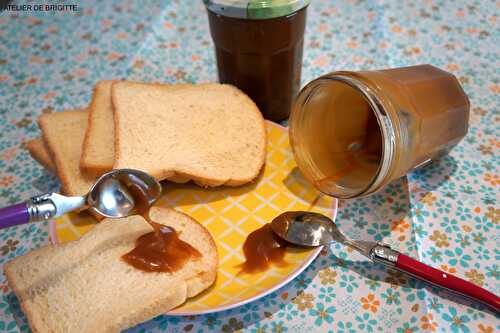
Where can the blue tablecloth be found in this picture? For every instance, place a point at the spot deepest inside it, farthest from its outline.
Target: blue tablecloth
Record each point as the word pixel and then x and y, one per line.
pixel 446 215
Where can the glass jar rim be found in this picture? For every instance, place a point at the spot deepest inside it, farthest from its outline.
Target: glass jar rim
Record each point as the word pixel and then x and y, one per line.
pixel 255 9
pixel 383 119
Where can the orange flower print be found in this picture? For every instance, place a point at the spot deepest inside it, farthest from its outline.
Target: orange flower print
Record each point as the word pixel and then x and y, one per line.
pixel 429 199
pixel 121 36
pixel 396 29
pixel 34 21
pixel 322 27
pixel 106 23
pixel 494 142
pixel 452 67
pixel 495 88
pixel 314 44
pixel 486 150
pixel 303 300
pixel 479 111
pixel 485 329
pixel 494 180
pixel 370 16
pixel 439 238
pixel 8 154
pixel 139 64
pixel 460 13
pixel 450 270
pixel 4 78
pixel 428 322
pixel 464 79
pixel 81 72
pixel 35 60
pixel 493 214
pixel 195 57
pixel 466 228
pixel 6 180
pixel 52 30
pixel 81 57
pixel 32 80
pixel 321 61
pixel 352 44
pixel 357 59
pixel 168 25
pixel 370 303
pixel 49 95
pixel 113 56
pixel 396 279
pixel 475 276
pixel 400 226
pixel 327 276
pixel 412 51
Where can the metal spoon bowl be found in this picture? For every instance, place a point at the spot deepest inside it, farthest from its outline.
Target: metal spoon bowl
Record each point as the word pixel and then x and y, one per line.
pixel 305 228
pixel 109 196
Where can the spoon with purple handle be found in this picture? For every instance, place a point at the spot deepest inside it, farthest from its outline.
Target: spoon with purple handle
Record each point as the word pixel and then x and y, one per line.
pixel 108 197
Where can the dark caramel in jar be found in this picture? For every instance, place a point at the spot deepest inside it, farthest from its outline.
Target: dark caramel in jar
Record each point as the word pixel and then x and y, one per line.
pixel 262 57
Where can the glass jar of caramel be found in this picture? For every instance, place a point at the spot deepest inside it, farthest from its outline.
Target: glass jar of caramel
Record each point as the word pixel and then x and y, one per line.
pixel 352 133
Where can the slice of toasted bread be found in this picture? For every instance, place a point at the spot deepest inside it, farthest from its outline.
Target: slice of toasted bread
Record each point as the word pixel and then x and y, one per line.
pixel 37 149
pixel 63 133
pixel 211 133
pixel 85 286
pixel 98 151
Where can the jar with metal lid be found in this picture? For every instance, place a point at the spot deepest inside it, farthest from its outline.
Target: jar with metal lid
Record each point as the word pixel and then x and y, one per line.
pixel 258 46
pixel 352 133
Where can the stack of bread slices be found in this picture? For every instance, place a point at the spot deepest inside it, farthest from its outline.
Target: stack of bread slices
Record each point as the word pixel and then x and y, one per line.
pixel 210 133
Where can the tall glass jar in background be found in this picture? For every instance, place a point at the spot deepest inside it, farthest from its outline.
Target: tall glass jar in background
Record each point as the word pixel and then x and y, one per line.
pixel 258 45
pixel 352 133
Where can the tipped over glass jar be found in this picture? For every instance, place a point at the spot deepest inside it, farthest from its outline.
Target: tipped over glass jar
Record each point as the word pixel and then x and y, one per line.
pixel 352 133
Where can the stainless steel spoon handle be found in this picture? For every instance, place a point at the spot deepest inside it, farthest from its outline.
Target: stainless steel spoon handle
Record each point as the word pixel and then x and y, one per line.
pixel 52 205
pixel 39 208
pixel 383 254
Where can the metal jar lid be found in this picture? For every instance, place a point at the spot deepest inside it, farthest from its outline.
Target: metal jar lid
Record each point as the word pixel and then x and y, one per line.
pixel 255 9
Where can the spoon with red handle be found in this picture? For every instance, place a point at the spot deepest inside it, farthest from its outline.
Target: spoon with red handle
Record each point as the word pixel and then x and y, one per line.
pixel 313 229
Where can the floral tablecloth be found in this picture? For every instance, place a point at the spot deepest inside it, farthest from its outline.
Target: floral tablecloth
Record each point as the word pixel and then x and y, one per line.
pixel 446 215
